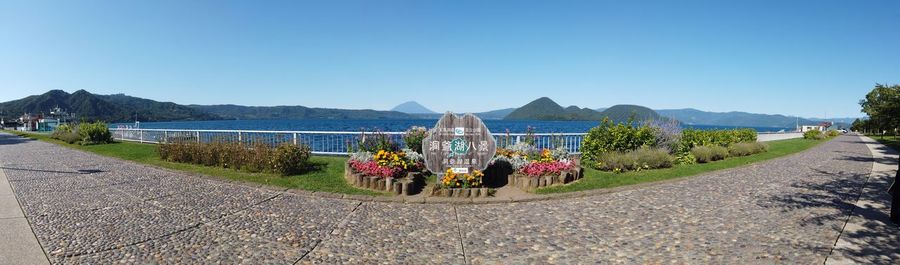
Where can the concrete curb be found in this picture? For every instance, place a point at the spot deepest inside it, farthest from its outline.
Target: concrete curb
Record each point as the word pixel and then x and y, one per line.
pixel 18 244
pixel 866 236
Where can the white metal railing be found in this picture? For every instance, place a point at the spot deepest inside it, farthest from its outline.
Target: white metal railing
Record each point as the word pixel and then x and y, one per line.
pixel 323 142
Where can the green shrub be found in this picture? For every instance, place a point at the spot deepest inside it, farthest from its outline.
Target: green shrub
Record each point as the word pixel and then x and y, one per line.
pixel 285 159
pixel 813 135
pixel 709 153
pixel 65 133
pixel 685 159
pixel 611 137
pixel 652 158
pixel 258 158
pixel 745 149
pixel 640 159
pixel 694 137
pixel 289 159
pixel 94 133
pixel 413 138
pixel 374 141
pixel 832 133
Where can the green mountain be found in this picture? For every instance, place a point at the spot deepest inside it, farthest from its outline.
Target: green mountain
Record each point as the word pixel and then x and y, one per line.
pixel 296 113
pixel 622 113
pixel 110 108
pixel 734 118
pixel 546 109
pixel 151 110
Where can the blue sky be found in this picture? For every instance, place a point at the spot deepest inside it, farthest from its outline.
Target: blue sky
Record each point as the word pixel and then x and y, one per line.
pixel 806 58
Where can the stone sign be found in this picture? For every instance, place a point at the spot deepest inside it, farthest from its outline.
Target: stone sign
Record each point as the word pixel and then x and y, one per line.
pixel 458 143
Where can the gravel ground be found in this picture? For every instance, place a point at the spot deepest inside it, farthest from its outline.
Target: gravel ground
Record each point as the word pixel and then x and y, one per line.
pixel 788 210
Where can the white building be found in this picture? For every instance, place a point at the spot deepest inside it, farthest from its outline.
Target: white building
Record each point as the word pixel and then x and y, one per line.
pixel 806 128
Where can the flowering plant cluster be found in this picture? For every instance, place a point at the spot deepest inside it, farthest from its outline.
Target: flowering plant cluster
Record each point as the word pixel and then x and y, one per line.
pixel 509 152
pixel 391 159
pixel 386 163
pixel 468 180
pixel 414 136
pixel 528 160
pixel 371 168
pixel 538 169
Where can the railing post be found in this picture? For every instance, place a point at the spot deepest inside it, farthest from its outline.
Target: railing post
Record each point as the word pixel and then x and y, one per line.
pixel 295 138
pixel 198 137
pixel 240 137
pixel 165 136
pixel 142 136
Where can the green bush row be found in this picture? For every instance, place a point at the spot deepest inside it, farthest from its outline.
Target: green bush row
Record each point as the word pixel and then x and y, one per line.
pixel 635 160
pixel 813 135
pixel 694 137
pixel 710 153
pixel 620 146
pixel 85 133
pixel 747 148
pixel 285 159
pixel 616 137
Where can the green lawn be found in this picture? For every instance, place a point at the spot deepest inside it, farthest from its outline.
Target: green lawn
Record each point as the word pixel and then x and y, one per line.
pixel 329 178
pixel 892 141
pixel 595 179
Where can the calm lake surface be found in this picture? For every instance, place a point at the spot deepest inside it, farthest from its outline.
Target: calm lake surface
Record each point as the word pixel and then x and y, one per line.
pixel 496 126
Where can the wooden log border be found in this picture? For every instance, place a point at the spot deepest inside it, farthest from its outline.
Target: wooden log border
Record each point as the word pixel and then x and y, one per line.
pixel 399 186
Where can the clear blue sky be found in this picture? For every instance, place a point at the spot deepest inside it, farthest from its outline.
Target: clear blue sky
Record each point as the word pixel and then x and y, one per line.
pixel 799 58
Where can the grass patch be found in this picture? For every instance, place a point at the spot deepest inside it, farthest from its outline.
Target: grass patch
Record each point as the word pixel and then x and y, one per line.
pixel 595 179
pixel 892 141
pixel 328 176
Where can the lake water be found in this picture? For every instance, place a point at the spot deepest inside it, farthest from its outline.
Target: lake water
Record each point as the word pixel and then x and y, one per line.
pixel 496 126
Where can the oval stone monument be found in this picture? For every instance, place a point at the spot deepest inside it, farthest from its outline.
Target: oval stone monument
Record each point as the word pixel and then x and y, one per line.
pixel 458 143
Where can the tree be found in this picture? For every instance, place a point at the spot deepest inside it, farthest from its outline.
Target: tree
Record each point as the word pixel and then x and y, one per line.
pixel 856 126
pixel 882 105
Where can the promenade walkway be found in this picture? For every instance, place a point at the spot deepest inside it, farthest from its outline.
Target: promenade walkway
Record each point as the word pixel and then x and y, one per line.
pixel 788 210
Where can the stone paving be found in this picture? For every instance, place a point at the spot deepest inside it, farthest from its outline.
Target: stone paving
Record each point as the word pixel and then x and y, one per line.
pixel 788 210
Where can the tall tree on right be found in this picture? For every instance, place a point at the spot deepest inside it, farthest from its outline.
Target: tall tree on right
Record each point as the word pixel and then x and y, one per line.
pixel 882 105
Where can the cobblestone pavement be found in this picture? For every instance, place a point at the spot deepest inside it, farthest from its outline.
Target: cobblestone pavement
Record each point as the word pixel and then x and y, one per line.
pixel 788 210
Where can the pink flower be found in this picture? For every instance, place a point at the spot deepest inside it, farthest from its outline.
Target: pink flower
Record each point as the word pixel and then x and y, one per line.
pixel 371 168
pixel 538 169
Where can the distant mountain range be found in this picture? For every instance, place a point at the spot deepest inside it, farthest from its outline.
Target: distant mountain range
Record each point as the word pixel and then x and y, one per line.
pixel 120 108
pixel 296 113
pixel 734 118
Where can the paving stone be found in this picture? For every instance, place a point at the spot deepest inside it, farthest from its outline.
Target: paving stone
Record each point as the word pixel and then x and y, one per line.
pixel 84 232
pixel 393 233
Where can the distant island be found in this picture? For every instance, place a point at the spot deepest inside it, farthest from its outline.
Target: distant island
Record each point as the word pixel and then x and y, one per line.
pixel 124 108
pixel 546 109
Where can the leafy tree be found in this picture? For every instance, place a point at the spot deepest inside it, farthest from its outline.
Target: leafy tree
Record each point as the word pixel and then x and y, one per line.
pixel 882 105
pixel 856 126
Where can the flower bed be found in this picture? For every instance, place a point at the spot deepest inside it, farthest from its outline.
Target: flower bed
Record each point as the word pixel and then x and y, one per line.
pixel 379 165
pixel 533 169
pixel 463 185
pixel 408 184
